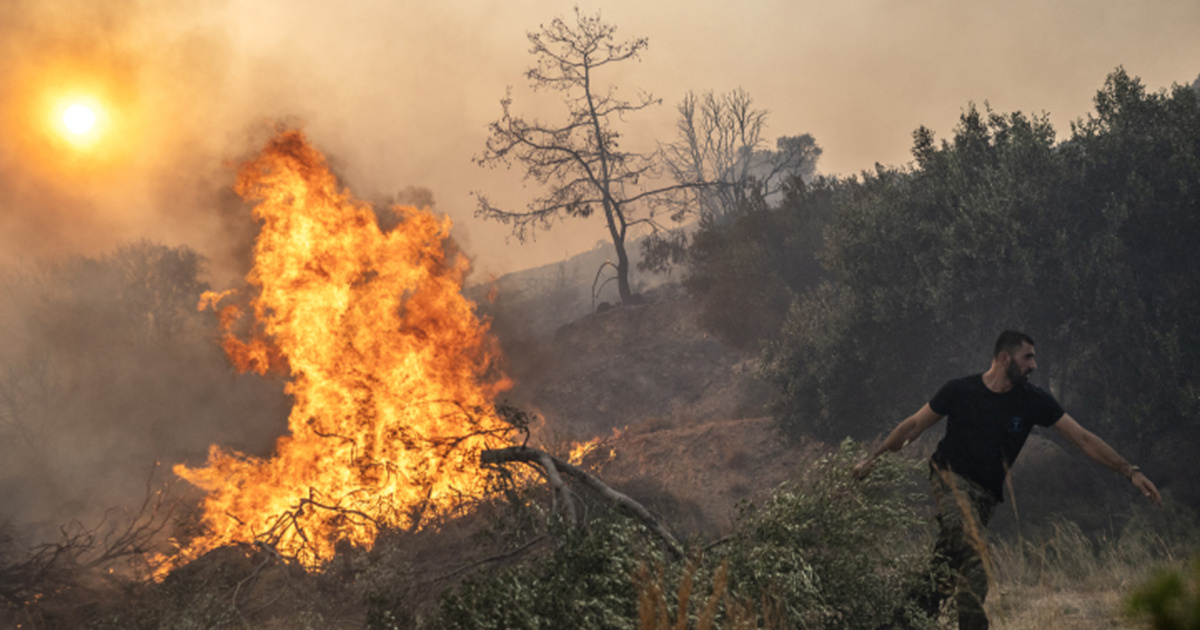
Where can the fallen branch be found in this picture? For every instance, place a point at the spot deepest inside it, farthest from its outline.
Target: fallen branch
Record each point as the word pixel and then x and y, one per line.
pixel 556 482
pixel 553 465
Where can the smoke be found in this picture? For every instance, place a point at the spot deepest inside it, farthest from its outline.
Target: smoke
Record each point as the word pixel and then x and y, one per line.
pixel 106 367
pixel 174 114
pixel 106 242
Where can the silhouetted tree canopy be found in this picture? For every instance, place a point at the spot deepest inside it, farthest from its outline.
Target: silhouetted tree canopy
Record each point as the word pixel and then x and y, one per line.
pixel 720 158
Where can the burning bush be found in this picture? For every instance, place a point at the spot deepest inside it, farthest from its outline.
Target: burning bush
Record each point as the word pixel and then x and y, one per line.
pixel 391 372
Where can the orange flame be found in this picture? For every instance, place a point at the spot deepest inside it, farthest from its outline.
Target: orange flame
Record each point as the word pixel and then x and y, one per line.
pixel 391 372
pixel 581 450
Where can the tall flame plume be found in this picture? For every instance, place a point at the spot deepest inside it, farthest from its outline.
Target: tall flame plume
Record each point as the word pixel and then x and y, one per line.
pixel 391 372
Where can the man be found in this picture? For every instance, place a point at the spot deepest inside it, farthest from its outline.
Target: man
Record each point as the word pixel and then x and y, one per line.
pixel 990 416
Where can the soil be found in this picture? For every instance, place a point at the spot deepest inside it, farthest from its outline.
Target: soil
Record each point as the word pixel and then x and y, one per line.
pixel 682 415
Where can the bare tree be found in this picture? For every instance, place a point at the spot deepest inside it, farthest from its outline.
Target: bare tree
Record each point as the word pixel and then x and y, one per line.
pixel 722 166
pixel 719 153
pixel 579 160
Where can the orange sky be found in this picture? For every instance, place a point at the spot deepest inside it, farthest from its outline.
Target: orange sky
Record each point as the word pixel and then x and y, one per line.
pixel 399 92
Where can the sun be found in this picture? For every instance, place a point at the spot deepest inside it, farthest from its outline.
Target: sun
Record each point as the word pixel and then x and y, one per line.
pixel 79 119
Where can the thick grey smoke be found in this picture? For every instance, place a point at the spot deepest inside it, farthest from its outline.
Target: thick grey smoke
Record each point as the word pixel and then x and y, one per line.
pixel 106 366
pixel 403 92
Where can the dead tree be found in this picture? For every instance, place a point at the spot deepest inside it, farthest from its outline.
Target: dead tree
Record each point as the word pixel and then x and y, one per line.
pixel 580 160
pixel 554 468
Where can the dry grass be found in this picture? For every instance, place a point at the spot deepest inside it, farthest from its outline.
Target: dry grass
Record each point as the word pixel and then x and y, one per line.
pixel 1041 608
pixel 654 613
pixel 1065 580
pixel 1068 581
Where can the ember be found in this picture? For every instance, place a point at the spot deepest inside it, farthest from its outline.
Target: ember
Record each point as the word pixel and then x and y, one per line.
pixel 391 372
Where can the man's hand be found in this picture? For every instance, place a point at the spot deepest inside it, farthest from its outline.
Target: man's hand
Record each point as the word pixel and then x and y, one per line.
pixel 1144 485
pixel 1101 452
pixel 863 468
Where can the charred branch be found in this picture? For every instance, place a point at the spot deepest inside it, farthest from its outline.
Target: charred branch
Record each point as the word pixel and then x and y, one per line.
pixel 553 466
pixel 82 552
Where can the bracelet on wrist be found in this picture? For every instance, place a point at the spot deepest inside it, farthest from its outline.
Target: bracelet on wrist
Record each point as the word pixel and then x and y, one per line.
pixel 1133 470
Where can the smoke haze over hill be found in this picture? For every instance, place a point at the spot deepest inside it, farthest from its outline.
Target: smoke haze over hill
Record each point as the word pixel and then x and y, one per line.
pixel 400 93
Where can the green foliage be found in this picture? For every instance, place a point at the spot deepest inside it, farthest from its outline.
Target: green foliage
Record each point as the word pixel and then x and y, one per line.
pixel 746 269
pixel 1171 599
pixel 585 582
pixel 819 544
pixel 926 265
pixel 1087 244
pixel 806 555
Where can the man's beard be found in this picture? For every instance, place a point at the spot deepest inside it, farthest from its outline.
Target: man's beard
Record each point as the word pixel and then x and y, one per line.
pixel 1015 375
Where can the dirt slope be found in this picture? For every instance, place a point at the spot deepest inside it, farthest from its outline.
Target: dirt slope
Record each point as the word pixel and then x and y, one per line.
pixel 628 365
pixel 692 439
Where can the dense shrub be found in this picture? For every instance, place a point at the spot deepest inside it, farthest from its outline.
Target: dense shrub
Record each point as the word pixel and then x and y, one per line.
pixel 1086 244
pixel 1171 599
pixel 808 553
pixel 747 268
pixel 585 582
pixel 818 544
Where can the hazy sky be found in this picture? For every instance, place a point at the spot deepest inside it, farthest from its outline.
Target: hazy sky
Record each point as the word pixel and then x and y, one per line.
pixel 399 92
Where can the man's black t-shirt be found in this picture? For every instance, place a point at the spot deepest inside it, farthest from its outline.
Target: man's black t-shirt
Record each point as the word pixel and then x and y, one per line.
pixel 985 430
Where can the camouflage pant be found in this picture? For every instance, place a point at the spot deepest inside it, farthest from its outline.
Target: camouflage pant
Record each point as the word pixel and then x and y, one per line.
pixel 964 509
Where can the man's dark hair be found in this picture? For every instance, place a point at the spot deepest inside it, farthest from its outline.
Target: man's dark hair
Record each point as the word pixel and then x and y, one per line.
pixel 1009 341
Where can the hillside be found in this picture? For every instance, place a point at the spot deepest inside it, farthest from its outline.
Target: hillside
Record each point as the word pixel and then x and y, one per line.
pixel 687 435
pixel 684 432
pixel 682 413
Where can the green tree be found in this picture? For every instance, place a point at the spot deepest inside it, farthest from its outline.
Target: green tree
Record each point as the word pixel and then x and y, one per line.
pixel 925 263
pixel 1087 244
pixel 1133 220
pixel 746 270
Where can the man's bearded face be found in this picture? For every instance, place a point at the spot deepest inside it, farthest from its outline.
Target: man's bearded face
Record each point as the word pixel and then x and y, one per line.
pixel 1015 375
pixel 1015 372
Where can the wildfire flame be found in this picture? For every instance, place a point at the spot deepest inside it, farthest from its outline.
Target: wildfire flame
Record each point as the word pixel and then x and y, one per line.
pixel 581 450
pixel 391 372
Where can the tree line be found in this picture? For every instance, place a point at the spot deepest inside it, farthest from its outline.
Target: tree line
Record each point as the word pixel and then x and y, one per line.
pixel 898 279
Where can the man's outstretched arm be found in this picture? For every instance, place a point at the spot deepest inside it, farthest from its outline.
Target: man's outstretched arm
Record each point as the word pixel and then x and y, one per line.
pixel 908 430
pixel 1101 452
